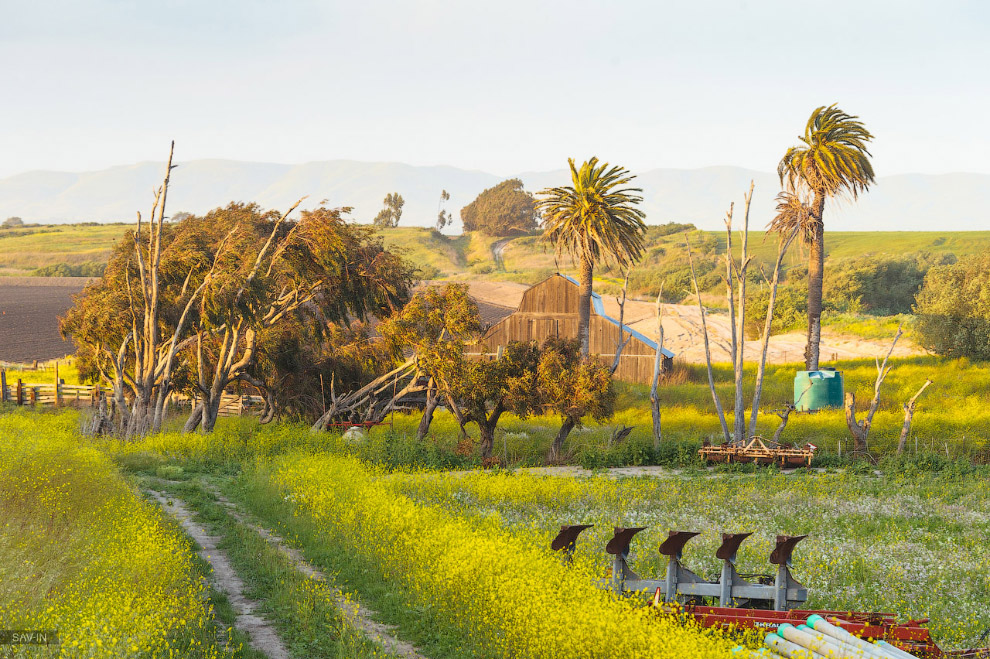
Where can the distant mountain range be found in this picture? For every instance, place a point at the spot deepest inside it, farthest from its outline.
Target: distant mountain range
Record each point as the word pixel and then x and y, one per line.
pixel 907 202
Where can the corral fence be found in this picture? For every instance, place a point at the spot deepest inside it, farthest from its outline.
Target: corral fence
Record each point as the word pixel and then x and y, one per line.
pixel 59 394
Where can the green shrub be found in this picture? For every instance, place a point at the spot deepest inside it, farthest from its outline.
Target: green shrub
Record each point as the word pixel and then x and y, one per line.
pixel 954 309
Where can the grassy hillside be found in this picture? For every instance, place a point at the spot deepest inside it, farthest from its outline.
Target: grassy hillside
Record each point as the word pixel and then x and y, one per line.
pixel 26 249
pixel 526 259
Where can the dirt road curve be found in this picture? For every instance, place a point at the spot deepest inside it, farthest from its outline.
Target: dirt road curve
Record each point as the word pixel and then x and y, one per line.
pixel 683 336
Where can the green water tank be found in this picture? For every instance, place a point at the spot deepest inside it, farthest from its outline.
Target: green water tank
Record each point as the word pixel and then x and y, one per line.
pixel 817 390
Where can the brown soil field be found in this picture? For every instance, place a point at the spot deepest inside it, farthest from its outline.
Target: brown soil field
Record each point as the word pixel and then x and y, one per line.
pixel 29 311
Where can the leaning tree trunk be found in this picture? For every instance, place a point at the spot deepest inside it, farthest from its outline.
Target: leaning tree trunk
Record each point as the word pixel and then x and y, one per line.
pixel 816 276
pixel 195 416
pixel 211 409
pixel 432 401
pixel 558 441
pixel 584 306
pixel 908 416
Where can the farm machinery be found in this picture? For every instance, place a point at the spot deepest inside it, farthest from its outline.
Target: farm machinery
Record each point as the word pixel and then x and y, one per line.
pixel 735 601
pixel 760 451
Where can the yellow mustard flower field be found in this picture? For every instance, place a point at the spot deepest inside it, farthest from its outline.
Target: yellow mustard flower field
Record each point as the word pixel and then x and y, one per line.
pixel 457 561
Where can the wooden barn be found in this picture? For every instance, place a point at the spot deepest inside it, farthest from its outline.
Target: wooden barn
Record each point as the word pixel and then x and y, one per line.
pixel 550 309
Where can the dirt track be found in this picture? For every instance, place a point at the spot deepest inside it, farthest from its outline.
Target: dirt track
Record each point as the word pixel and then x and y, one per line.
pixel 683 336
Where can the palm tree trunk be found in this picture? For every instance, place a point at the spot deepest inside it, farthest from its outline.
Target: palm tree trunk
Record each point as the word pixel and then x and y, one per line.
pixel 816 276
pixel 584 306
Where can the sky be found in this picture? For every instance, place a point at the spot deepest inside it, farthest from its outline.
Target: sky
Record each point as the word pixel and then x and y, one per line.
pixel 504 87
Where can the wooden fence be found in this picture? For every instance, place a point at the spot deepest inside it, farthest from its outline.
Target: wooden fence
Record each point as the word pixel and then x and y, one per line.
pixel 77 395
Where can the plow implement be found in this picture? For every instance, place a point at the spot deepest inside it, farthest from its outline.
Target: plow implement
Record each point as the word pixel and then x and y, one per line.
pixel 736 601
pixel 760 451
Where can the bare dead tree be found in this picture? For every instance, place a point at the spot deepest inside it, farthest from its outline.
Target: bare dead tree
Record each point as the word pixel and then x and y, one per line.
pixel 621 343
pixel 657 374
pixel 738 318
pixel 783 244
pixel 735 275
pixel 149 378
pixel 860 430
pixel 708 352
pixel 908 416
pixel 785 414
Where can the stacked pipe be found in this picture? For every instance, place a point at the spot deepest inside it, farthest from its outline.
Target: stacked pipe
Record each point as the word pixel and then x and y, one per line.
pixel 820 639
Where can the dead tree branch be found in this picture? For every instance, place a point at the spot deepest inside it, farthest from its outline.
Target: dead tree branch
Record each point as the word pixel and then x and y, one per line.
pixel 622 327
pixel 708 352
pixel 657 374
pixel 908 416
pixel 861 429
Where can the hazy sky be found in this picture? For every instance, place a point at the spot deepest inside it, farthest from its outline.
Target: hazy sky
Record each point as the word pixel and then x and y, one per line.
pixel 500 86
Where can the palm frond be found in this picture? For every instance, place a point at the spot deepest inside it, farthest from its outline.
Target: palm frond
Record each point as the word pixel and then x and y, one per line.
pixel 793 212
pixel 595 217
pixel 833 158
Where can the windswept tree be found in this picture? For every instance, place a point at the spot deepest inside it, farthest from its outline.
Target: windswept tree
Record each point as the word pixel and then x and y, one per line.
pixel 595 221
pixel 833 161
pixel 319 268
pixel 481 391
pixel 389 215
pixel 444 217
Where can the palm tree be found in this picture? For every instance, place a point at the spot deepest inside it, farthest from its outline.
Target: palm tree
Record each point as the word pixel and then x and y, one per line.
pixel 832 162
pixel 595 221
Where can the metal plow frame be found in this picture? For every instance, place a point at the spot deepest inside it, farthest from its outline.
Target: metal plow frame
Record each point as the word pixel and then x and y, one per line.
pixel 734 602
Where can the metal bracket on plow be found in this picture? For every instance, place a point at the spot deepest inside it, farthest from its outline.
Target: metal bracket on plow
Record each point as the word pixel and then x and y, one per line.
pixel 786 588
pixel 682 585
pixel 566 540
pixel 618 546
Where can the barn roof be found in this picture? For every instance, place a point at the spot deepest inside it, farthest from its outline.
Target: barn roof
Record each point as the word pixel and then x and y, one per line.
pixel 599 307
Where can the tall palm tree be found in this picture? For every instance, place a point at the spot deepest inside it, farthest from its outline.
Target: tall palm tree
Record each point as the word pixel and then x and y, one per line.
pixel 594 220
pixel 833 161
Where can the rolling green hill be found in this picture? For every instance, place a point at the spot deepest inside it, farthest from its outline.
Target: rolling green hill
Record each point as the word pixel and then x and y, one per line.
pixel 526 259
pixel 25 249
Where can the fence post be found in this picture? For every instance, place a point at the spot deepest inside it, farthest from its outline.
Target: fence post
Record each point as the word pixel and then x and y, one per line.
pixel 33 395
pixel 3 385
pixel 20 392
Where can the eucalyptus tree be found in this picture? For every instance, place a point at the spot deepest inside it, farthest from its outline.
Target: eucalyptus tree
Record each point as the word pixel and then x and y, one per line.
pixel 595 221
pixel 130 325
pixel 319 268
pixel 832 161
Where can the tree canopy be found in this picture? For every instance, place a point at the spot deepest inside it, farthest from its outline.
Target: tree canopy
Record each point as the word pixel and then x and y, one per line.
pixel 389 215
pixel 503 210
pixel 267 283
pixel 953 309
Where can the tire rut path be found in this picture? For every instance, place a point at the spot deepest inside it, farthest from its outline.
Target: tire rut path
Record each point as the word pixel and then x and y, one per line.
pixel 357 616
pixel 261 634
